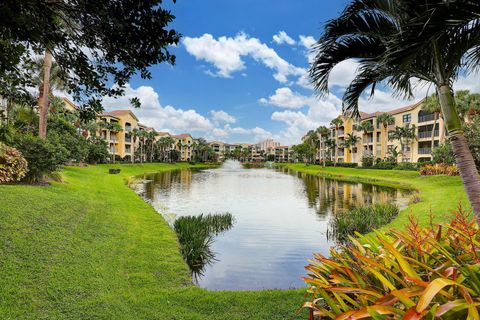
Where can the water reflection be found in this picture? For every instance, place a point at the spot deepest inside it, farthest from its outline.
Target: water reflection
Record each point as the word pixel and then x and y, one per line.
pixel 281 218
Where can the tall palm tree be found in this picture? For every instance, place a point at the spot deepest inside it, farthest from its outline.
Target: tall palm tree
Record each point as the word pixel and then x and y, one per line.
pixel 114 128
pixel 337 122
pixel 405 135
pixel 385 119
pixel 432 105
pixel 331 145
pixel 404 40
pixel 366 127
pixel 351 142
pixel 150 142
pixel 324 132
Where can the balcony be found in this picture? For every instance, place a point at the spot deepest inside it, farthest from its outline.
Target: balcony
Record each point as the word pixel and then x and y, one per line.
pixel 341 132
pixel 424 150
pixel 426 117
pixel 368 140
pixel 428 134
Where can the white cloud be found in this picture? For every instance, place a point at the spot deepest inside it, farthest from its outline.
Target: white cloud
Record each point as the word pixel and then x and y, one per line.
pixel 307 42
pixel 283 37
pixel 226 53
pixel 286 98
pixel 320 112
pixel 153 114
pixel 222 117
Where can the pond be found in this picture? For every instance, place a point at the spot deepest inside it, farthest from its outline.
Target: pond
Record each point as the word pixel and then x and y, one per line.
pixel 280 217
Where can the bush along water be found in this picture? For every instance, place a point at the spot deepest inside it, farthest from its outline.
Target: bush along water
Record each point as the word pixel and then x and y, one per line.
pixel 196 235
pixel 419 273
pixel 361 220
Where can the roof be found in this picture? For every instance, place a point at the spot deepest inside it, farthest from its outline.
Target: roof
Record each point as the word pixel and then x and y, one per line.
pixel 118 113
pixel 216 142
pixel 364 115
pixel 163 134
pixel 183 136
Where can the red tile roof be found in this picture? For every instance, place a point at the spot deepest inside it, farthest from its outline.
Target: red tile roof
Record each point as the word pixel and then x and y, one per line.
pixel 118 113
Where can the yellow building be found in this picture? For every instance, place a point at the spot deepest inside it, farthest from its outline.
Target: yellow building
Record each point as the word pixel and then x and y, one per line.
pixel 121 143
pixel 184 145
pixel 376 143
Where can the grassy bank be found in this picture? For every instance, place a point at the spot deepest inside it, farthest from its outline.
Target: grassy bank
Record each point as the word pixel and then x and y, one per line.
pixel 90 248
pixel 438 194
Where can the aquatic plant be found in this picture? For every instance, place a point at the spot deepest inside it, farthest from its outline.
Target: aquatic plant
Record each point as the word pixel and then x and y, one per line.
pixel 418 273
pixel 362 220
pixel 196 235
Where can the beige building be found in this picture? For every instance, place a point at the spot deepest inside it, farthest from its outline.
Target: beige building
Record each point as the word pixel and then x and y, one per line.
pixel 184 145
pixel 121 143
pixel 377 143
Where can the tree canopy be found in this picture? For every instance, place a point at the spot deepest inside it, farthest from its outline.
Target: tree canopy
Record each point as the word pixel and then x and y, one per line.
pixel 99 45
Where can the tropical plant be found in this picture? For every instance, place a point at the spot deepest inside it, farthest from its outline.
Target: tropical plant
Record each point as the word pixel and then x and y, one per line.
pixel 196 235
pixel 97 151
pixel 401 41
pixel 385 119
pixel 113 128
pixel 439 168
pixel 418 273
pixel 13 166
pixel 337 123
pixel 362 220
pixel 443 154
pixel 405 135
pixel 351 141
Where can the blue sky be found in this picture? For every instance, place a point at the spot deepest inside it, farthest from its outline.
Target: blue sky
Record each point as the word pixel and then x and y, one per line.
pixel 240 74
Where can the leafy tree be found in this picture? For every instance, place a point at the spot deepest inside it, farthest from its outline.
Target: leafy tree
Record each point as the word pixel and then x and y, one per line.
pixel 404 40
pixel 443 154
pixel 97 151
pixel 101 44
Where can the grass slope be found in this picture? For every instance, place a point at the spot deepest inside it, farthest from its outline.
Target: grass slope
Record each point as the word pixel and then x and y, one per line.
pixel 438 194
pixel 90 248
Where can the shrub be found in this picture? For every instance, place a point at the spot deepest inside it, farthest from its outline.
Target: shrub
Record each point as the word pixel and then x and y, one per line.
pixel 436 169
pixel 13 166
pixel 43 156
pixel 367 161
pixel 347 165
pixel 385 165
pixel 420 273
pixel 413 166
pixel 362 220
pixel 97 152
pixel 443 154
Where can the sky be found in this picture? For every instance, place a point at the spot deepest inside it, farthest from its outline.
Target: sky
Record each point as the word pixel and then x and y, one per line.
pixel 241 73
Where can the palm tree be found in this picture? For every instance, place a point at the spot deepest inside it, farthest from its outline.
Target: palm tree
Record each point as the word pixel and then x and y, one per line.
pixel 139 135
pixel 150 142
pixel 404 40
pixel 331 146
pixel 350 142
pixel 337 122
pixel 432 105
pixel 49 77
pixel 385 119
pixel 114 128
pixel 366 127
pixel 405 135
pixel 324 132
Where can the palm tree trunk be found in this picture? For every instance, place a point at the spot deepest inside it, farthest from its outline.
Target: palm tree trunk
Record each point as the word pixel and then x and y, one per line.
pixel 463 156
pixel 433 130
pixel 43 99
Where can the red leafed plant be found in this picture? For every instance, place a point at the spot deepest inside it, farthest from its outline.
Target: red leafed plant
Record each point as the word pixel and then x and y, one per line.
pixel 420 273
pixel 13 166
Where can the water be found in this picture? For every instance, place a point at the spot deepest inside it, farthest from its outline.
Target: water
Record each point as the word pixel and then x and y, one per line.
pixel 281 218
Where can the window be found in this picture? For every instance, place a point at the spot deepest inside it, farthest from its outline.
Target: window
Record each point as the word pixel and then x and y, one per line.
pixel 407 118
pixel 405 148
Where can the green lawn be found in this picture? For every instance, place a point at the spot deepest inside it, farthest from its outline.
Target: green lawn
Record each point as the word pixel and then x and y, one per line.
pixel 90 248
pixel 438 194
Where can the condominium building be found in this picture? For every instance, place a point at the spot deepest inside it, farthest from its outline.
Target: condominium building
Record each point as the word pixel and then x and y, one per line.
pixel 120 142
pixel 268 144
pixel 219 149
pixel 282 154
pixel 378 142
pixel 184 145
